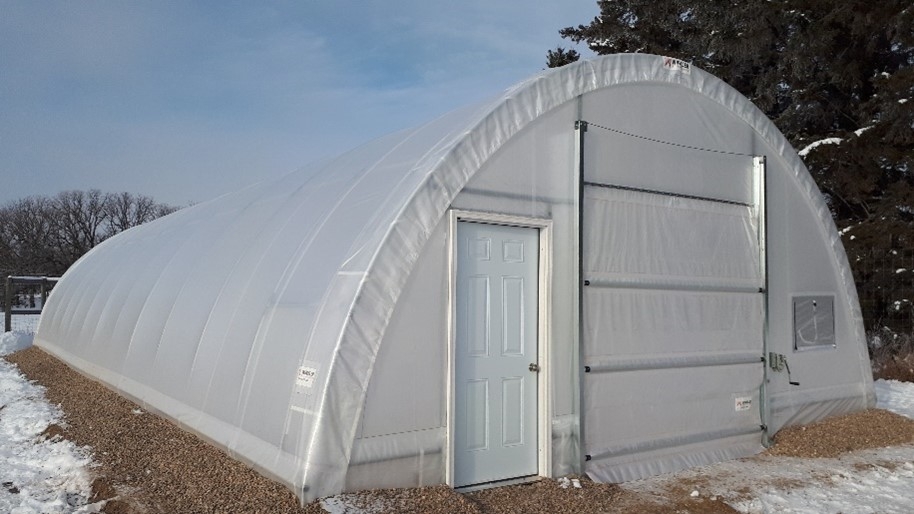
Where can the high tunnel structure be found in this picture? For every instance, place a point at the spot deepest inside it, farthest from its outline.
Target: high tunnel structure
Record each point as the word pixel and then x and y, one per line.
pixel 606 269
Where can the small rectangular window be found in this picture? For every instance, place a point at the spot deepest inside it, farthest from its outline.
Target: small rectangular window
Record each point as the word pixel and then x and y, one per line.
pixel 813 322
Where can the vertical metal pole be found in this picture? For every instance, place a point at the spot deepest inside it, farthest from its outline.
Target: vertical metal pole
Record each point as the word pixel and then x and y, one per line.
pixel 580 127
pixel 8 305
pixel 761 202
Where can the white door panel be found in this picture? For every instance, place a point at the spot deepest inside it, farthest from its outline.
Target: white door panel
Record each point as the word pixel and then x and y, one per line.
pixel 495 434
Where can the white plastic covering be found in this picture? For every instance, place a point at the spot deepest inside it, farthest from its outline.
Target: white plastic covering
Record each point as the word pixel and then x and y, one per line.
pixel 639 237
pixel 674 300
pixel 256 319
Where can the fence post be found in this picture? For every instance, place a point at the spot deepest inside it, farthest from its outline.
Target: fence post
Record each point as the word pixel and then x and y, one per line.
pixel 8 305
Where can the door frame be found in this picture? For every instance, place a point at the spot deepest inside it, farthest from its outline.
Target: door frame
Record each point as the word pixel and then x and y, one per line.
pixel 544 322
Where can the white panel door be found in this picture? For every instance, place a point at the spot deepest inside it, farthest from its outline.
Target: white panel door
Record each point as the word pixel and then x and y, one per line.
pixel 494 430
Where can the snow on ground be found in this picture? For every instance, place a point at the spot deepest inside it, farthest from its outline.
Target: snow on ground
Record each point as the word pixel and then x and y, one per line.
pixel 866 481
pixel 37 475
pixel 14 341
pixel 24 323
pixel 895 396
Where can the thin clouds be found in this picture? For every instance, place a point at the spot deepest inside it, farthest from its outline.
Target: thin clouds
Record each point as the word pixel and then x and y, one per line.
pixel 73 38
pixel 187 101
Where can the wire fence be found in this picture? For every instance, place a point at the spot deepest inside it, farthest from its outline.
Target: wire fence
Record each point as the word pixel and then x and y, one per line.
pixel 22 300
pixel 24 323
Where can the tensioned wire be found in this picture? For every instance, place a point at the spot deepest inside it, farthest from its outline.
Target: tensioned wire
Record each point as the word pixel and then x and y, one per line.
pixel 670 143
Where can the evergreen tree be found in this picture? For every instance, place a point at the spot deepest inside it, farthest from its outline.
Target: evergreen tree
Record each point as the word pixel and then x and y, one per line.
pixel 560 57
pixel 819 69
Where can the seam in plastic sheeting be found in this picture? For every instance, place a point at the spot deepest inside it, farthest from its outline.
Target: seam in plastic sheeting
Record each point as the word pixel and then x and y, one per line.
pixel 388 447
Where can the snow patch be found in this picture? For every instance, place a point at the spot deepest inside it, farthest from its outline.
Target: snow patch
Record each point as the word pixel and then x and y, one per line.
pixel 565 483
pixel 14 341
pixel 38 474
pixel 336 505
pixel 352 503
pixel 895 396
pixel 845 230
pixel 812 146
pixel 878 490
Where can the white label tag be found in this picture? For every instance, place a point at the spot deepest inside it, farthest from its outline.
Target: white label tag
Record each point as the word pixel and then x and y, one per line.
pixel 743 403
pixel 674 64
pixel 306 375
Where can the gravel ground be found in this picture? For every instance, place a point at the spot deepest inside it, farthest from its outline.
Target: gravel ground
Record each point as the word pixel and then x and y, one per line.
pixel 873 428
pixel 148 465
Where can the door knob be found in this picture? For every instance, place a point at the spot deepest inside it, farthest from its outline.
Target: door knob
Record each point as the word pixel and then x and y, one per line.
pixel 534 367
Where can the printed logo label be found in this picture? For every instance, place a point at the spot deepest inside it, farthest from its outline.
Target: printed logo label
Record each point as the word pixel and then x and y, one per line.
pixel 743 403
pixel 674 64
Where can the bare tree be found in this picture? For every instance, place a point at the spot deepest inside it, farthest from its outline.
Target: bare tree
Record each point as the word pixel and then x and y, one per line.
pixel 42 235
pixel 125 210
pixel 163 209
pixel 78 219
pixel 24 232
pixel 7 253
pixel 29 233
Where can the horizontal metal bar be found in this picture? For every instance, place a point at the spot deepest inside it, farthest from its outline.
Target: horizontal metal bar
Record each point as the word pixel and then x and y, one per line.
pixel 14 312
pixel 671 286
pixel 685 361
pixel 32 280
pixel 667 193
pixel 672 442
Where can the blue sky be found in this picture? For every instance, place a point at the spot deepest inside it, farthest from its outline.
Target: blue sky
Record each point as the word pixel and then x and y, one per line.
pixel 184 101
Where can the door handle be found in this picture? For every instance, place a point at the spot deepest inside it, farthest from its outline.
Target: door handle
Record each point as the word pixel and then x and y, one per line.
pixel 534 367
